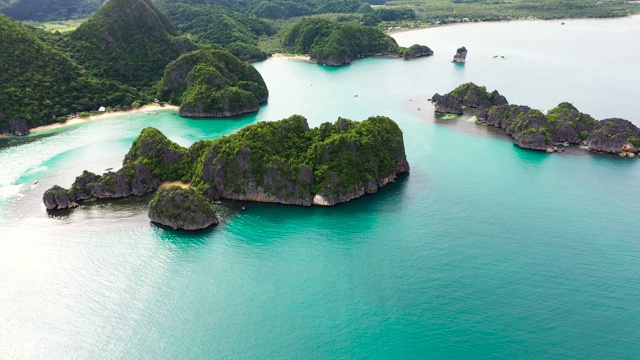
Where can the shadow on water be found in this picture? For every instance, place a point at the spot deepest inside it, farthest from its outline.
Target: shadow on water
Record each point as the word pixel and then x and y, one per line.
pixel 184 239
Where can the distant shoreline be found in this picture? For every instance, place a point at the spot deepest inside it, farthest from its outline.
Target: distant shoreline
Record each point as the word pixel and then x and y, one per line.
pixel 75 121
pixel 432 26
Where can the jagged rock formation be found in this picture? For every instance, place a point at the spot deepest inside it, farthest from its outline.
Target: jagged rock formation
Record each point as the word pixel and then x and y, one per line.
pixel 212 82
pixel 567 124
pixel 181 208
pixel 282 162
pixel 614 136
pixel 58 198
pixel 131 180
pixel 531 129
pixel 447 104
pixel 469 95
pixel 526 126
pixel 460 56
pixel 328 165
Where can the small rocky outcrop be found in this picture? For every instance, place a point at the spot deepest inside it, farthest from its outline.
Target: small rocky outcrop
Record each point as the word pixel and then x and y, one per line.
pixel 469 95
pixel 58 198
pixel 460 56
pixel 446 104
pixel 614 136
pixel 415 51
pixel 335 162
pixel 181 208
pixel 15 127
pixel 134 180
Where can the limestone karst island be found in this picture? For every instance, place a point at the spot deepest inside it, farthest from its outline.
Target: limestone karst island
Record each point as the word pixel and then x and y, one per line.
pixel 319 179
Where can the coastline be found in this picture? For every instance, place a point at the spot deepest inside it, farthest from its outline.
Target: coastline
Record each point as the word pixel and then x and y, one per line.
pixel 76 121
pixel 431 26
pixel 290 56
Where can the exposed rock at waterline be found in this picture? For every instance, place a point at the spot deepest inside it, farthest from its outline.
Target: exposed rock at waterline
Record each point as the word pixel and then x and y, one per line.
pixel 460 55
pixel 181 208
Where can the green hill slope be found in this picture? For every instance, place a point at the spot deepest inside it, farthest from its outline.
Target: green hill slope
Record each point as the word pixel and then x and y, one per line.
pixel 38 84
pixel 130 41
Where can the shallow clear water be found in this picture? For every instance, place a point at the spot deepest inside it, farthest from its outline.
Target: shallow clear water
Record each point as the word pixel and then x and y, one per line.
pixel 483 251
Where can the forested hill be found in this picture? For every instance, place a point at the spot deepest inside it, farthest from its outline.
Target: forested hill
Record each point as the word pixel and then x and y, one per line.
pixel 278 9
pixel 116 59
pixel 39 83
pixel 130 41
pixel 49 10
pixel 333 43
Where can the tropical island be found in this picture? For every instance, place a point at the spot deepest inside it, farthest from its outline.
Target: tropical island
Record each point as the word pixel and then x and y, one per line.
pixel 531 129
pixel 334 44
pixel 283 162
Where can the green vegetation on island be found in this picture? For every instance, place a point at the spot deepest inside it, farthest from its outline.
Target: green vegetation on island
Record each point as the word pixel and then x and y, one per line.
pixel 333 43
pixel 280 162
pixel 531 129
pixel 181 208
pixel 213 83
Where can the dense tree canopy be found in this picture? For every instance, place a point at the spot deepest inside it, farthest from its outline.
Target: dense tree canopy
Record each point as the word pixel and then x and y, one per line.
pixel 211 82
pixel 40 83
pixel 130 41
pixel 335 43
pixel 48 10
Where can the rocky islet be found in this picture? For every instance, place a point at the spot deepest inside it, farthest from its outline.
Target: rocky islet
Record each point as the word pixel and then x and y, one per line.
pixel 532 129
pixel 284 162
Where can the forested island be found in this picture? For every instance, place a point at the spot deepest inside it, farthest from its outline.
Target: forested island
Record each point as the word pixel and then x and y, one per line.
pixel 532 129
pixel 283 162
pixel 332 43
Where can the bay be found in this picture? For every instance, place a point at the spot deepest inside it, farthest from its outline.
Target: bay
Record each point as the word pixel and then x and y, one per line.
pixel 484 251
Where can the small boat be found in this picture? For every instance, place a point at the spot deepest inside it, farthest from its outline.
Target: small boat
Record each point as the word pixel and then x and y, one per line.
pixel 151 113
pixel 35 182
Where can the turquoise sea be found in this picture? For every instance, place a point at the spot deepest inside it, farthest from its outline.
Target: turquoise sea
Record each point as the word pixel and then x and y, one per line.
pixel 485 251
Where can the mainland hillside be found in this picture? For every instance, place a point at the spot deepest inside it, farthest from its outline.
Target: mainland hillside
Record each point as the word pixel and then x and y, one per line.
pixel 115 59
pixel 130 41
pixel 40 83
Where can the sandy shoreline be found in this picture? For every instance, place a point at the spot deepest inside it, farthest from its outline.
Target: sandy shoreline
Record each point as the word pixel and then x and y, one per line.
pixel 290 56
pixel 175 183
pixel 75 121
